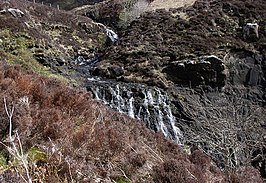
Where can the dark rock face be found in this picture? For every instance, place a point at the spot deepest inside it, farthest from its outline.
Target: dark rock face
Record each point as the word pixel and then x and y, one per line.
pixel 245 68
pixel 251 31
pixel 205 71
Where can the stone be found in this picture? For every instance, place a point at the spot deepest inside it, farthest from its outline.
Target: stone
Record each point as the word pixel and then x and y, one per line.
pixel 254 76
pixel 15 12
pixel 245 68
pixel 251 31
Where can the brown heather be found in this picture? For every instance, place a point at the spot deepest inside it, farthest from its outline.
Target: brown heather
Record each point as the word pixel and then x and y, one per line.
pixel 85 141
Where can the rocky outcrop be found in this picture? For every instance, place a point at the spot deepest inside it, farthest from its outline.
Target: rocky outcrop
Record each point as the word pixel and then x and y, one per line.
pixel 251 31
pixel 245 68
pixel 15 12
pixel 116 14
pixel 208 71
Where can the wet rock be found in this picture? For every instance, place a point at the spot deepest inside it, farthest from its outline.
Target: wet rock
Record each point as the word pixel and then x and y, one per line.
pixel 50 62
pixel 116 71
pixel 150 104
pixel 112 37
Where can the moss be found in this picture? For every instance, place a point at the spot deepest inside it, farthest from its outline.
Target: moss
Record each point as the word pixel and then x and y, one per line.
pixel 187 149
pixel 35 155
pixel 123 19
pixel 54 33
pixel 3 162
pixel 26 60
pixel 121 180
pixel 102 39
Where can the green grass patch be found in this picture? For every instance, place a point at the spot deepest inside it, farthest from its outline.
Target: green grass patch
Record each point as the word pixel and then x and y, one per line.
pixel 122 180
pixel 35 154
pixel 19 49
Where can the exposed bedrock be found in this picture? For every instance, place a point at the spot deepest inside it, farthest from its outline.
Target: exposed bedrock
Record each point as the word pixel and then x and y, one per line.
pixel 208 70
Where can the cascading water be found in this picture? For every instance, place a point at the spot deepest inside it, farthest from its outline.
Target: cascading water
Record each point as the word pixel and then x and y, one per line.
pixel 85 63
pixel 149 104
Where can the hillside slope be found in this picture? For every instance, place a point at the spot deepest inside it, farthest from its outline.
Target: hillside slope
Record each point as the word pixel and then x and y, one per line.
pixel 209 70
pixel 161 47
pixel 210 58
pixel 80 140
pixel 45 36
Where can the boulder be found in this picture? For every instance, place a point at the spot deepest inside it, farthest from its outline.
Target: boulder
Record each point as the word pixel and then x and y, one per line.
pixel 15 12
pixel 251 31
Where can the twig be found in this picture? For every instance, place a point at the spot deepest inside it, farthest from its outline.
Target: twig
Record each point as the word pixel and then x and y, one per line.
pixel 17 154
pixel 9 115
pixel 69 169
pixel 153 151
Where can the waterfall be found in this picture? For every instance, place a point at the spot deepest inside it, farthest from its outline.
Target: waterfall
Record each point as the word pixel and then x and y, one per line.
pixel 111 35
pixel 149 104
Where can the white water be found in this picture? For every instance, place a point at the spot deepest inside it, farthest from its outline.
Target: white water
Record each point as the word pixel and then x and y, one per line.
pixel 148 104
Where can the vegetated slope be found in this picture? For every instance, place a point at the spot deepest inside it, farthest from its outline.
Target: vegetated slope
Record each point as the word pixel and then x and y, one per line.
pixel 75 136
pixel 45 35
pixel 158 41
pixel 80 140
pixel 203 47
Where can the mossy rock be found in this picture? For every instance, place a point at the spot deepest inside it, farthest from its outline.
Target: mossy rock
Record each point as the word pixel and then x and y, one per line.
pixel 19 49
